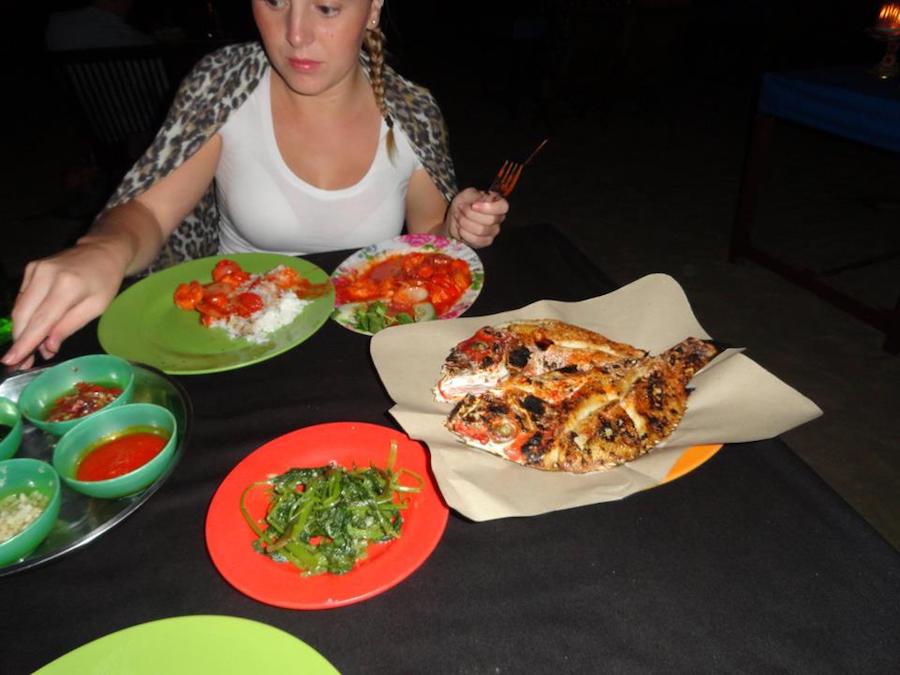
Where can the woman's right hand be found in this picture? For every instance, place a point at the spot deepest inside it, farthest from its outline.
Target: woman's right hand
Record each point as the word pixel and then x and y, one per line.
pixel 59 295
pixel 62 293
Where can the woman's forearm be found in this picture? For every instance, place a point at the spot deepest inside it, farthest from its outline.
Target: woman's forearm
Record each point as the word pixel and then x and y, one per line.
pixel 439 228
pixel 134 232
pixel 129 233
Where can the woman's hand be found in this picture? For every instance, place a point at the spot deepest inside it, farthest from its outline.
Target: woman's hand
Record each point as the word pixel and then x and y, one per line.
pixel 62 293
pixel 59 295
pixel 475 217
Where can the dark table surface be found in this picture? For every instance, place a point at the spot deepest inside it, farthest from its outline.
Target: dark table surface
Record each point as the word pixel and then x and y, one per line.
pixel 748 564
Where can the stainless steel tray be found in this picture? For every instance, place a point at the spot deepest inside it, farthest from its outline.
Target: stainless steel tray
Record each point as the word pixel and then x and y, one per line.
pixel 82 519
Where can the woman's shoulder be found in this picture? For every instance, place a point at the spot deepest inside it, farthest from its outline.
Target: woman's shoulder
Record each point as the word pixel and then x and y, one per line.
pixel 406 94
pixel 230 66
pixel 220 82
pixel 215 88
pixel 419 116
pixel 231 56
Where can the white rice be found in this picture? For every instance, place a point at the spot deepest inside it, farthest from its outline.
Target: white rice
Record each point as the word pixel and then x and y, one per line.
pixel 280 307
pixel 18 511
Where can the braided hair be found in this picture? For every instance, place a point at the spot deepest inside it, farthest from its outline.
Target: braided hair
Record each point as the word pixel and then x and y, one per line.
pixel 374 43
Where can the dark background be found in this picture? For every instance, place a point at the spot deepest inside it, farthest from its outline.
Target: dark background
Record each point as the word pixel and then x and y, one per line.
pixel 749 34
pixel 544 63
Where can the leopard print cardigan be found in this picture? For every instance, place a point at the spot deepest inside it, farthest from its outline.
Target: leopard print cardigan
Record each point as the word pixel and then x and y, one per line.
pixel 215 88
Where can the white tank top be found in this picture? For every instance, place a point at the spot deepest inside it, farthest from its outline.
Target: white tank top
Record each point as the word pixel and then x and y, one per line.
pixel 264 206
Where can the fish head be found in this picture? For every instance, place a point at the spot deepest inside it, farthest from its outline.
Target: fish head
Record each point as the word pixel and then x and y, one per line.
pixel 495 423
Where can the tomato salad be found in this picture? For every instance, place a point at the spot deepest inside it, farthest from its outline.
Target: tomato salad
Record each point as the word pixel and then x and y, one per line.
pixel 404 288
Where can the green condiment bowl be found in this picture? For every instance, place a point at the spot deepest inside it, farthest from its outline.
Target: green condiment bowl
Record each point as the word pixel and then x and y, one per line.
pixel 107 424
pixel 38 397
pixel 11 423
pixel 24 475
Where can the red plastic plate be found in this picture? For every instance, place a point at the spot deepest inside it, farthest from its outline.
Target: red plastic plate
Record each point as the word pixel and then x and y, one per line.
pixel 229 539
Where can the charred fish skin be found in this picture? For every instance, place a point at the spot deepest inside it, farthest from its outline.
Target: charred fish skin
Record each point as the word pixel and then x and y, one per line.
pixel 524 348
pixel 511 424
pixel 581 420
pixel 554 344
pixel 519 357
pixel 651 401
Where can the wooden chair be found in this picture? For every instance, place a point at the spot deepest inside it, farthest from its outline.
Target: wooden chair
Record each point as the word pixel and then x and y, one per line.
pixel 121 96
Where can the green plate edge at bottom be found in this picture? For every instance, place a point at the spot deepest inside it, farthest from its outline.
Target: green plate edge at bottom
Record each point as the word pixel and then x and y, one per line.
pixel 143 323
pixel 186 645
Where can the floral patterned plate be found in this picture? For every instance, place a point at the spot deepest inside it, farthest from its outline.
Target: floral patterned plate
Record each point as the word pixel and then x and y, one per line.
pixel 370 317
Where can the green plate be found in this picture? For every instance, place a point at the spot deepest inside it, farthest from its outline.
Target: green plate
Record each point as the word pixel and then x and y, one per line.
pixel 187 645
pixel 143 323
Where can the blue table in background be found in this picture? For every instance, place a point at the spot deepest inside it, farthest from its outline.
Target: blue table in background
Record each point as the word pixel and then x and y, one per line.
pixel 846 101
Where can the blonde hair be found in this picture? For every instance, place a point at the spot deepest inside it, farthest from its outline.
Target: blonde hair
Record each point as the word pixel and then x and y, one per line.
pixel 374 43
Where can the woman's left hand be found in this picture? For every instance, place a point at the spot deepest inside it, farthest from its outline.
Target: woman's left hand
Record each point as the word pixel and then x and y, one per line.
pixel 475 216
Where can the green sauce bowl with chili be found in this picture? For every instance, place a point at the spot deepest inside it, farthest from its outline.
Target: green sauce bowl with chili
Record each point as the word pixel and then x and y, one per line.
pixel 117 442
pixel 65 395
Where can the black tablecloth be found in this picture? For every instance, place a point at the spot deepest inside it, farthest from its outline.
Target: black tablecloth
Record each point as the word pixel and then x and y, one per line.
pixel 750 563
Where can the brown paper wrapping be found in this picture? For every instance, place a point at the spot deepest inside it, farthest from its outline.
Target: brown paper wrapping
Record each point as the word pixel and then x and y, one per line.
pixel 734 400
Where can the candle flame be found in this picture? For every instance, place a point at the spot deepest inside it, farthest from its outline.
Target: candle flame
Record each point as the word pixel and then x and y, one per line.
pixel 889 17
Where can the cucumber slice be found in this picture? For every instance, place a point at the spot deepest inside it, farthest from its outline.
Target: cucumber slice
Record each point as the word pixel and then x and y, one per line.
pixel 424 311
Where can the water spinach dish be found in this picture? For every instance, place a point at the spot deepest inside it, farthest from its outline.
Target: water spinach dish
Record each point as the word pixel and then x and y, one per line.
pixel 323 519
pixel 245 305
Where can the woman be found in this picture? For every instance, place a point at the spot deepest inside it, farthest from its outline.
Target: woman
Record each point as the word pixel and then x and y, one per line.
pixel 312 146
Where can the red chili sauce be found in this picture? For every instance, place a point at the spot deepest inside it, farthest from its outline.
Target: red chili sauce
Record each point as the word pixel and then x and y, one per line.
pixel 84 399
pixel 120 455
pixel 442 277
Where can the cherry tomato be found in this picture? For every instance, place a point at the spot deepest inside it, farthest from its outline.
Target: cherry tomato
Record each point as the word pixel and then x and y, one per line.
pixel 188 295
pixel 362 289
pixel 248 304
pixel 462 280
pixel 217 300
pixel 412 261
pixel 235 278
pixel 225 268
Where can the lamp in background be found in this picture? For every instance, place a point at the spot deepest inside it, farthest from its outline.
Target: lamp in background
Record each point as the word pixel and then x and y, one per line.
pixel 887 29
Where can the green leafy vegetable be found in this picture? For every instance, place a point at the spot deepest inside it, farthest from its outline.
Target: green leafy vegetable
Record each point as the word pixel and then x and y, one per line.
pixel 5 330
pixel 322 519
pixel 374 316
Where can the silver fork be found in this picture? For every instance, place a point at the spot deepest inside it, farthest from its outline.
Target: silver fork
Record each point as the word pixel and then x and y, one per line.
pixel 508 176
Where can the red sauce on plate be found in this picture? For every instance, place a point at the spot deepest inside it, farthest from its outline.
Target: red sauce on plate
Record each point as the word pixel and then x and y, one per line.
pixel 443 280
pixel 120 455
pixel 82 400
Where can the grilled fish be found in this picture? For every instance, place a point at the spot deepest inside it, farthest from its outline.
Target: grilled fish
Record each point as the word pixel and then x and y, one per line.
pixel 583 420
pixel 524 348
